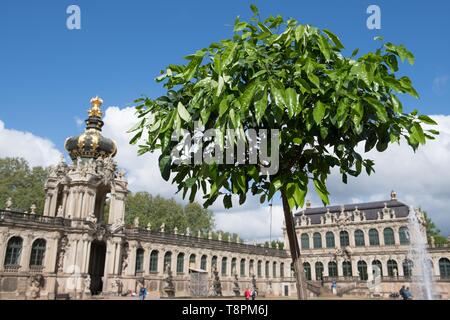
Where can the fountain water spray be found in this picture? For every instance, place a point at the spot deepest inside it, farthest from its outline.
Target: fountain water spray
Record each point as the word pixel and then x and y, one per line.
pixel 422 269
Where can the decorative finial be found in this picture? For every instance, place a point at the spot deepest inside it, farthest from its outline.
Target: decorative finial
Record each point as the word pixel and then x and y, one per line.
pixel 393 195
pixel 95 109
pixel 308 204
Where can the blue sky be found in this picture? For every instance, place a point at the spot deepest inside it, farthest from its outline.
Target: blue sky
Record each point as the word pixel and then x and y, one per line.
pixel 48 73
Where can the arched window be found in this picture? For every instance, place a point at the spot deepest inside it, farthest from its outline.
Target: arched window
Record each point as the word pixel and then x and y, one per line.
pixel 38 253
pixel 444 268
pixel 392 268
pixel 282 270
pixel 167 260
pixel 307 270
pixel 192 260
pixel 359 238
pixel 362 270
pixel 267 269
pixel 319 270
pixel 154 261
pixel 407 268
pixel 203 262
pixel 251 268
pixel 242 268
pixel 305 241
pixel 259 269
pixel 330 239
pixel 332 269
pixel 13 251
pixel 388 237
pixel 233 266
pixel 317 240
pixel 377 268
pixel 224 266
pixel 374 239
pixel 347 268
pixel 214 263
pixel 344 239
pixel 139 260
pixel 274 269
pixel 180 263
pixel 404 235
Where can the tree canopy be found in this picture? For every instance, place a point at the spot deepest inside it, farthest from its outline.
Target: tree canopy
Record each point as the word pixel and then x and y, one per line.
pixel 433 231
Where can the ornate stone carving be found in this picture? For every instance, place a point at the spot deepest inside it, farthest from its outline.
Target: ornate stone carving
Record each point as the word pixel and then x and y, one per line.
pixel 8 204
pixel 217 285
pixel 169 288
pixel 136 222
pixel 60 213
pixel 63 245
pixel 91 218
pixel 162 228
pixel 33 209
pixel 149 227
pixel 36 284
pixel 125 254
pixel 117 225
pixel 87 285
pixel 236 289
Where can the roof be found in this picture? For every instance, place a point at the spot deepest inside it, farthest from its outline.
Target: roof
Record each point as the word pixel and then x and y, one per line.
pixel 370 209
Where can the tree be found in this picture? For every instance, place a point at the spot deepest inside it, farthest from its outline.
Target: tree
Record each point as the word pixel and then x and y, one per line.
pixel 23 184
pixel 433 231
pixel 277 74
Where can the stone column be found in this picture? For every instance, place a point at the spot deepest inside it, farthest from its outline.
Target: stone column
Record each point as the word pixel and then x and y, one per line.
pixel 147 251
pixel 354 262
pixel 351 238
pixel 54 198
pixel 47 204
pixel 73 254
pixel 325 268
pixel 400 261
pixel 26 253
pixel 384 267
pixel 161 266
pixel 3 245
pixel 117 269
pixel 396 236
pixel 131 270
pixel 366 237
pixel 381 236
pixel 51 254
pixel 340 271
pixel 313 271
pixel 86 245
pixel 64 201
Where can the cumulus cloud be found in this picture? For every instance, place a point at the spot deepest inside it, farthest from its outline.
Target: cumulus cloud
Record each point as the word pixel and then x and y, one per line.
pixel 36 150
pixel 420 179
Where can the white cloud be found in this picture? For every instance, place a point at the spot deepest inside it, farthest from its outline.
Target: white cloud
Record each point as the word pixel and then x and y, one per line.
pixel 36 150
pixel 440 84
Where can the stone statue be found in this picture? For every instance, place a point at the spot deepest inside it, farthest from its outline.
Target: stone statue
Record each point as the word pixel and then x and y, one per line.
pixel 60 212
pixel 8 204
pixel 188 231
pixel 432 242
pixel 254 287
pixel 36 283
pixel 118 285
pixel 163 226
pixel 33 208
pixel 199 234
pixel 91 218
pixel 175 230
pixel 219 236
pixel 149 226
pixel 87 285
pixel 210 234
pixel 136 222
pixel 62 251
pixel 117 225
pixel 236 289
pixel 169 288
pixel 217 286
pixel 125 258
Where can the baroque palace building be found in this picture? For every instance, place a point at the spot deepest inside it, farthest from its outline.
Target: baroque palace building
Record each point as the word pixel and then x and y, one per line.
pixel 79 246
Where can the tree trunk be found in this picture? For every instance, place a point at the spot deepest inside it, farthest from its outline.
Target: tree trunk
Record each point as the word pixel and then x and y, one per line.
pixel 295 250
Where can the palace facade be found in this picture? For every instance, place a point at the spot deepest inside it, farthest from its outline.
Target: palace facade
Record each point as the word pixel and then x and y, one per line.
pixel 79 247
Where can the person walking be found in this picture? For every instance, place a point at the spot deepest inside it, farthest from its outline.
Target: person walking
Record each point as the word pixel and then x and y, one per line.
pixel 254 294
pixel 402 293
pixel 142 293
pixel 247 294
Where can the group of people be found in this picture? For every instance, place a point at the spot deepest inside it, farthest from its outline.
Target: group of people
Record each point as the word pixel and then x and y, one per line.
pixel 405 293
pixel 250 293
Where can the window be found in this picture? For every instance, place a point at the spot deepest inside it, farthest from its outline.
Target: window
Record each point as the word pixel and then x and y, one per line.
pixel 388 237
pixel 251 268
pixel 347 268
pixel 180 263
pixel 242 267
pixel 38 253
pixel 407 268
pixel 344 239
pixel 192 260
pixel 332 269
pixel 259 269
pixel 359 238
pixel 307 270
pixel 362 270
pixel 392 268
pixel 319 270
pixel 404 235
pixel 224 266
pixel 274 270
pixel 282 270
pixel 305 241
pixel 267 269
pixel 203 262
pixel 444 268
pixel 317 240
pixel 139 260
pixel 154 261
pixel 377 268
pixel 233 266
pixel 13 251
pixel 167 260
pixel 374 239
pixel 214 263
pixel 330 239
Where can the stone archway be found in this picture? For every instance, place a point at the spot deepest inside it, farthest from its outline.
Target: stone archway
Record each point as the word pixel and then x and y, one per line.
pixel 97 266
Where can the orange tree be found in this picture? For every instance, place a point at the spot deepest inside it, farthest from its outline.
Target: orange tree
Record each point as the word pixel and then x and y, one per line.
pixel 278 74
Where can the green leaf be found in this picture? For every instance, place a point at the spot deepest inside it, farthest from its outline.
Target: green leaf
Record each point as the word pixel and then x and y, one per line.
pixel 277 91
pixel 379 108
pixel 334 38
pixel 417 133
pixel 324 47
pixel 227 203
pixel 358 113
pixel 299 32
pixel 183 113
pixel 292 101
pixel 247 97
pixel 262 199
pixel 341 114
pixel 261 105
pixel 321 190
pixel 426 119
pixel 319 112
pixel 164 166
pixel 190 182
pixel 299 195
pixel 254 9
